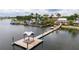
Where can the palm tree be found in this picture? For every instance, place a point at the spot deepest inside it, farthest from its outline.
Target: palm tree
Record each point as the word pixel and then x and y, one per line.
pixel 51 16
pixel 58 14
pixel 37 16
pixel 75 16
pixel 45 16
pixel 31 15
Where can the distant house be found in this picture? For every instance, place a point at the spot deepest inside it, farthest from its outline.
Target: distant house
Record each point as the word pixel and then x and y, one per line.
pixel 62 20
pixel 76 22
pixel 30 22
pixel 33 20
pixel 27 22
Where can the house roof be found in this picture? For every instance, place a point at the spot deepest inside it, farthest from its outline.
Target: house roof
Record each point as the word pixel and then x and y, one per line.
pixel 77 21
pixel 61 19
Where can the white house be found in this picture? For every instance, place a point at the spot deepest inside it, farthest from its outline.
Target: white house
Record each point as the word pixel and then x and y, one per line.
pixel 77 21
pixel 29 22
pixel 62 20
pixel 33 20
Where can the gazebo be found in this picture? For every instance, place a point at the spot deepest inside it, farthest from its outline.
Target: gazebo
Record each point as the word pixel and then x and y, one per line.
pixel 28 37
pixel 28 42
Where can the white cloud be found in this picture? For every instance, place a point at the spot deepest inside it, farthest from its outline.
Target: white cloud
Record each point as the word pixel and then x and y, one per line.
pixel 69 11
pixel 15 12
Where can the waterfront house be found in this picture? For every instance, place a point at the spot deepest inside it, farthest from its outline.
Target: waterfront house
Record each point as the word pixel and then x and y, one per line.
pixel 33 20
pixel 62 20
pixel 30 22
pixel 76 22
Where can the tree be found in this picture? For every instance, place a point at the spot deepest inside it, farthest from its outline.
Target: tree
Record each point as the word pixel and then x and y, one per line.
pixel 70 22
pixel 32 14
pixel 58 14
pixel 36 15
pixel 19 18
pixel 51 16
pixel 45 16
pixel 75 16
pixel 48 22
pixel 71 17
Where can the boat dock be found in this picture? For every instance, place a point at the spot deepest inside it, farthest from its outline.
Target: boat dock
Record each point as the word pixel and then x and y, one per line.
pixel 36 41
pixel 45 33
pixel 29 45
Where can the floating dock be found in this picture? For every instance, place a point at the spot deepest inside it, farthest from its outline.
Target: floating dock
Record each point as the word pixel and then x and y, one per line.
pixel 30 45
pixel 36 41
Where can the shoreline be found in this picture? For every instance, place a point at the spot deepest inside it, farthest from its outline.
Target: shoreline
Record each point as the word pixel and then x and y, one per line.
pixel 70 27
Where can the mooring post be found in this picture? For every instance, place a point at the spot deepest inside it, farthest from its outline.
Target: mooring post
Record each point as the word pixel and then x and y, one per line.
pixel 27 42
pixel 24 37
pixel 12 40
pixel 13 43
pixel 33 37
pixel 13 47
pixel 27 45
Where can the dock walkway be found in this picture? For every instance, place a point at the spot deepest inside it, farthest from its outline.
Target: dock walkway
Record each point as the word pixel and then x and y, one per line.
pixel 36 41
pixel 49 31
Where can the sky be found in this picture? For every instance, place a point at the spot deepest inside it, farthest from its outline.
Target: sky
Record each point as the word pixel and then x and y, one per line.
pixel 22 12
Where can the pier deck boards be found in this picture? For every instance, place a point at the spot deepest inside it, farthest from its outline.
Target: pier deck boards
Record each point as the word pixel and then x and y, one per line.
pixel 49 31
pixel 31 45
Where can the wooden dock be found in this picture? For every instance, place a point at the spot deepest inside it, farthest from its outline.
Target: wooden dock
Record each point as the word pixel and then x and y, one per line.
pixel 36 41
pixel 45 33
pixel 30 45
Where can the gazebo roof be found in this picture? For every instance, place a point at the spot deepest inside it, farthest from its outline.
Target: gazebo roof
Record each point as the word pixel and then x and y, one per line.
pixel 28 33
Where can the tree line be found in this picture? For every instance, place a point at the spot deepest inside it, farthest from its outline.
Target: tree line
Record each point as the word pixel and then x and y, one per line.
pixel 29 17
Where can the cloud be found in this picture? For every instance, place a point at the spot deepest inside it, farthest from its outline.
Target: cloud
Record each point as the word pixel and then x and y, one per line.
pixel 67 12
pixel 22 12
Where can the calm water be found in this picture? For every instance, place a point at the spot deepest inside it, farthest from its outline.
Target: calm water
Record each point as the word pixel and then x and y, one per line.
pixel 58 40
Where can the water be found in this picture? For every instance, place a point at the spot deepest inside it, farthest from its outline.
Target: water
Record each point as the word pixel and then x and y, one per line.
pixel 7 32
pixel 61 40
pixel 58 40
